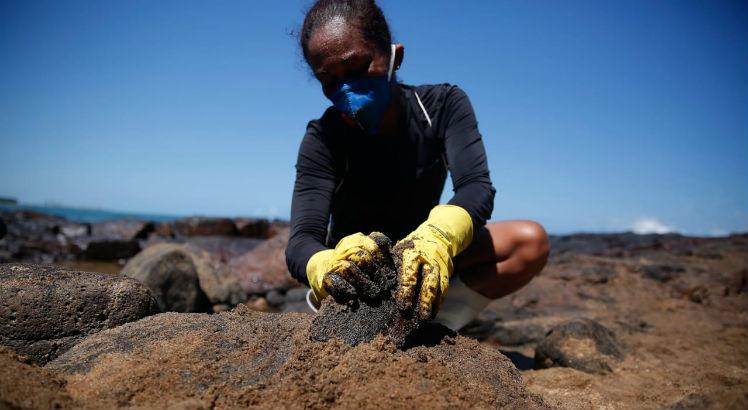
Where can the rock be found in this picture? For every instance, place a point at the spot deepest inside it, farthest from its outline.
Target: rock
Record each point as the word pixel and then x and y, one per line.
pixel 295 301
pixel 126 230
pixel 264 268
pixel 74 230
pixel 199 226
pixel 582 344
pixel 45 310
pixel 243 358
pixel 164 229
pixel 35 237
pixel 225 248
pixel 275 298
pixel 259 303
pixel 26 386
pixel 693 401
pixel 374 311
pixel 661 273
pixel 3 229
pixel 184 278
pixel 111 249
pixel 253 228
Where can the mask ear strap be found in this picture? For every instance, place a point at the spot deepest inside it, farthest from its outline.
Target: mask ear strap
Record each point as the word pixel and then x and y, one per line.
pixel 392 63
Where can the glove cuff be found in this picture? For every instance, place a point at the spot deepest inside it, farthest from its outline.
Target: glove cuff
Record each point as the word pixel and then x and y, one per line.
pixel 316 269
pixel 452 225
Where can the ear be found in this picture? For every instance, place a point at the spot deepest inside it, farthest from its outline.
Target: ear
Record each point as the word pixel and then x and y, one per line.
pixel 399 55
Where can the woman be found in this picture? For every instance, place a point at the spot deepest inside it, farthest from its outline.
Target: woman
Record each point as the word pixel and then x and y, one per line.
pixel 377 160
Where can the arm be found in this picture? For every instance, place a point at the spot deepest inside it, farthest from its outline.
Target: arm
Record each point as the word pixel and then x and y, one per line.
pixel 310 206
pixel 428 251
pixel 467 161
pixel 342 272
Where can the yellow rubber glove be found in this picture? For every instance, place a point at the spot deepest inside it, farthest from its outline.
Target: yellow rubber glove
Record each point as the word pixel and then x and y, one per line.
pixel 429 250
pixel 340 271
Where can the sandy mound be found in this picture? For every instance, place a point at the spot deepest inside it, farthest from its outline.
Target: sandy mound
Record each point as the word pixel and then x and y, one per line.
pixel 247 358
pixel 26 386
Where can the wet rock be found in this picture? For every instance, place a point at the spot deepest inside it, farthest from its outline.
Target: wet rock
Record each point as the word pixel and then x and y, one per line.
pixel 45 310
pixel 184 278
pixel 244 358
pixel 582 344
pixel 111 249
pixel 253 228
pixel 199 226
pixel 126 230
pixel 264 268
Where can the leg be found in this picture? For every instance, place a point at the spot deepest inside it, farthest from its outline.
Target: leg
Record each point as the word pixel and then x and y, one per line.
pixel 503 257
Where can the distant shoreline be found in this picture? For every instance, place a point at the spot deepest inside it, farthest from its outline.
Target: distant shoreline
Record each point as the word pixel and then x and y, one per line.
pixel 88 215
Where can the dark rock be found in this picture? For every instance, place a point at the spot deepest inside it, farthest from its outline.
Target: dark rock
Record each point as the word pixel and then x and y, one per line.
pixel 739 282
pixel 253 228
pixel 372 313
pixel 199 226
pixel 582 344
pixel 45 310
pixel 275 298
pixel 126 230
pixel 661 273
pixel 113 249
pixel 295 301
pixel 3 229
pixel 517 334
pixel 35 237
pixel 185 278
pixel 693 401
pixel 594 274
pixel 264 268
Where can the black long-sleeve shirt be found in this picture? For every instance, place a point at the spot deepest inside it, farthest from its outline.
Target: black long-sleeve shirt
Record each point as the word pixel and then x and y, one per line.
pixel 355 182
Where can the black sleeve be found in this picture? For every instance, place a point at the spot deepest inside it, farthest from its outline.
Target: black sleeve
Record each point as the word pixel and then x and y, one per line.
pixel 310 206
pixel 466 157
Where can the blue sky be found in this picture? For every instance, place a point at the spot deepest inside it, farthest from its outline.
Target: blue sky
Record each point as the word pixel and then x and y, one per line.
pixel 596 116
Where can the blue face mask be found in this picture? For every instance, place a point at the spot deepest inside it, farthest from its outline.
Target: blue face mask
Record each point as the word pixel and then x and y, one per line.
pixel 365 99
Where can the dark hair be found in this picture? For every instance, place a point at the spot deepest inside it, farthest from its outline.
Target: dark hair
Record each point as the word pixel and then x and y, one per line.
pixel 362 14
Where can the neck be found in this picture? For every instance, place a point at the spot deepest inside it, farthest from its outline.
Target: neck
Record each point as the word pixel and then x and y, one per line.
pixel 392 118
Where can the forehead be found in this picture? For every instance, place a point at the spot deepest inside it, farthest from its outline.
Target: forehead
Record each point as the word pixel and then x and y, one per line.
pixel 335 42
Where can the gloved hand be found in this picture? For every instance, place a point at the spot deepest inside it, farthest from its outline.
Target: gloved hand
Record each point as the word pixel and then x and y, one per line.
pixel 344 272
pixel 429 251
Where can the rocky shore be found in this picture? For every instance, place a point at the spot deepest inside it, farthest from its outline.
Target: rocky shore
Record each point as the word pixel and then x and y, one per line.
pixel 614 321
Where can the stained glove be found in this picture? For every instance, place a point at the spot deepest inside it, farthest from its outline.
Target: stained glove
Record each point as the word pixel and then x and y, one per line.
pixel 428 251
pixel 344 272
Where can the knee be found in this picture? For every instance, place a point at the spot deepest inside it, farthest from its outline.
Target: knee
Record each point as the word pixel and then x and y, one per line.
pixel 534 245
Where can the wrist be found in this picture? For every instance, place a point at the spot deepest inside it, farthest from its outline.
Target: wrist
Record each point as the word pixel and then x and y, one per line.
pixel 451 225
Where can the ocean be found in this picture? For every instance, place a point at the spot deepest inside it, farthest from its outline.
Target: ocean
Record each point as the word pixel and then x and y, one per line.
pixel 88 215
